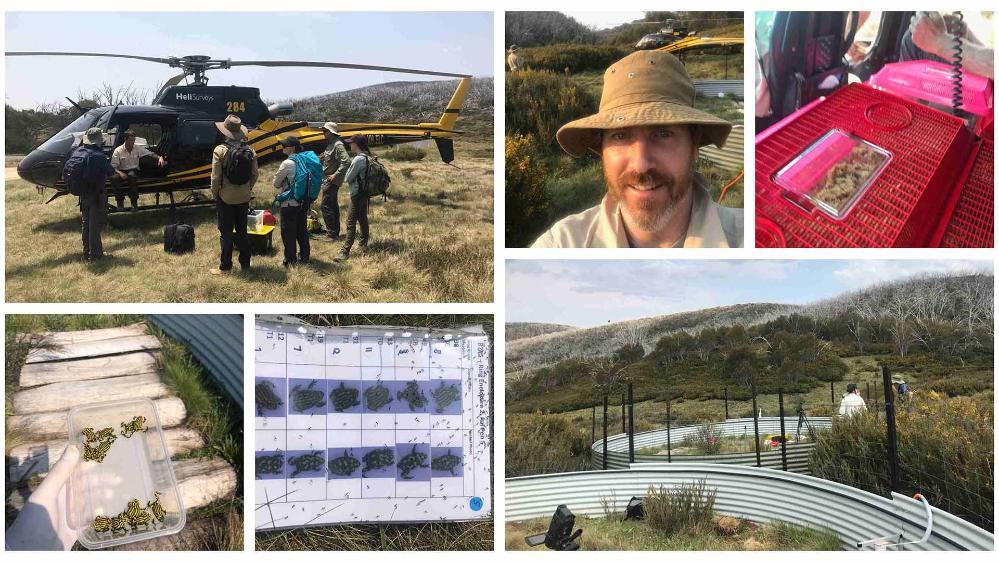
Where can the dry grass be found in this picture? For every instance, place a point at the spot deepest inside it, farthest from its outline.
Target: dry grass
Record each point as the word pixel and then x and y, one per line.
pixel 433 242
pixel 429 536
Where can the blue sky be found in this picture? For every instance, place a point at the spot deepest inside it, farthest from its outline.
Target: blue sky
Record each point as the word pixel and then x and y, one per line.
pixel 459 42
pixel 592 292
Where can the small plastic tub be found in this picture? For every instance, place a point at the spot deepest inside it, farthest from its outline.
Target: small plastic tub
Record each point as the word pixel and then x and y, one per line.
pixel 134 467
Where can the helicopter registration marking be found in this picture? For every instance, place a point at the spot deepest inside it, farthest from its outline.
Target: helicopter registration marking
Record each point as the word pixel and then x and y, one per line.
pixel 235 106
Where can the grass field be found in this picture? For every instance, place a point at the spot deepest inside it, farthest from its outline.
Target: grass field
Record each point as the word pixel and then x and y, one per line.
pixel 612 533
pixel 431 242
pixel 209 413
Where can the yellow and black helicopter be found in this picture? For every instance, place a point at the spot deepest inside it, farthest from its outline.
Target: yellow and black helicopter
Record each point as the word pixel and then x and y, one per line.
pixel 180 126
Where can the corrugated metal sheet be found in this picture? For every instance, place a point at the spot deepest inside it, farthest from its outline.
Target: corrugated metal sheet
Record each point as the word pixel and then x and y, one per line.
pixel 216 341
pixel 712 88
pixel 797 453
pixel 729 157
pixel 756 494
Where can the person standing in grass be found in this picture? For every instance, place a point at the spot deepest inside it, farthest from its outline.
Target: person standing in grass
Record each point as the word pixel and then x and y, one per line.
pixel 852 402
pixel 86 172
pixel 336 160
pixel 355 180
pixel 234 173
pixel 294 206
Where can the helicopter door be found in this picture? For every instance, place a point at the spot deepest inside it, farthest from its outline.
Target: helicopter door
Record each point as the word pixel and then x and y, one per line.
pixel 195 142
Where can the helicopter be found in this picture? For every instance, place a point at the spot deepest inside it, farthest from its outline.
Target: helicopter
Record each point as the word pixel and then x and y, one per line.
pixel 179 125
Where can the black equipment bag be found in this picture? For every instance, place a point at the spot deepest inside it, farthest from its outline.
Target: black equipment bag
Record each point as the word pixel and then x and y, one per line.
pixel 178 238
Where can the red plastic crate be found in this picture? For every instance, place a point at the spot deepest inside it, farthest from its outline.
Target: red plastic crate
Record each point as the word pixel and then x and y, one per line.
pixel 901 207
pixel 972 221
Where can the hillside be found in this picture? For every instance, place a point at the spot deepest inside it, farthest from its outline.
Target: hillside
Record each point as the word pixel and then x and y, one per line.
pixel 546 349
pixel 402 102
pixel 520 330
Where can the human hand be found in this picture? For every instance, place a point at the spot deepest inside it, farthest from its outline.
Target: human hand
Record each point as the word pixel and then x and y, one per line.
pixel 162 161
pixel 929 33
pixel 42 524
pixel 121 174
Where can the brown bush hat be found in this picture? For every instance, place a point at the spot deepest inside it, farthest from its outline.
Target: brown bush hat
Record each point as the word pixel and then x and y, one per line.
pixel 643 88
pixel 233 128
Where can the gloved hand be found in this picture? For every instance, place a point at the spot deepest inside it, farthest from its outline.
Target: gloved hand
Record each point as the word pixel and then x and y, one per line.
pixel 42 524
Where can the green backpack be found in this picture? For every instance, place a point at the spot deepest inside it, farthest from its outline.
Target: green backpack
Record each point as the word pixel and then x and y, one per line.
pixel 376 178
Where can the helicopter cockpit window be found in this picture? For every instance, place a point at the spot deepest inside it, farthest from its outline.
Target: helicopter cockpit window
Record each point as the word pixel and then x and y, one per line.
pixel 77 127
pixel 199 133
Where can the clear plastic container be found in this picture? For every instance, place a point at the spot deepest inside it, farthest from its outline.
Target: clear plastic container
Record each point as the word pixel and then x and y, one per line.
pixel 135 467
pixel 832 173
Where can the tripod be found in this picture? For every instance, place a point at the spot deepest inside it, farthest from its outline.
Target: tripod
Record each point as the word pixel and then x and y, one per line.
pixel 803 422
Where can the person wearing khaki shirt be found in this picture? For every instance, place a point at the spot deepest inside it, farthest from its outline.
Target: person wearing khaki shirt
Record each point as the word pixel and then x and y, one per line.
pixel 232 202
pixel 647 134
pixel 125 161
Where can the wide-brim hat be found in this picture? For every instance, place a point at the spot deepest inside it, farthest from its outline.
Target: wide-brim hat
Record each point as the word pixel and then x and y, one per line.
pixel 897 380
pixel 94 136
pixel 233 128
pixel 332 127
pixel 643 88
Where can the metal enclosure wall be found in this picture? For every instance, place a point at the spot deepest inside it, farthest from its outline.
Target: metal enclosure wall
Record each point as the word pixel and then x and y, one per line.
pixel 216 341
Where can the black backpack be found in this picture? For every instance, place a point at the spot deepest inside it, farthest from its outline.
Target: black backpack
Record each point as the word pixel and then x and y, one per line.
pixel 73 170
pixel 178 238
pixel 376 178
pixel 238 164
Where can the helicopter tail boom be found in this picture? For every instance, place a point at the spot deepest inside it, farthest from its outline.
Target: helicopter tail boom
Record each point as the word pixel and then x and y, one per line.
pixel 450 116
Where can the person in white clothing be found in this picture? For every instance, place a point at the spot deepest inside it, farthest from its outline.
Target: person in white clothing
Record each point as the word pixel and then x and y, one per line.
pixel 125 161
pixel 851 403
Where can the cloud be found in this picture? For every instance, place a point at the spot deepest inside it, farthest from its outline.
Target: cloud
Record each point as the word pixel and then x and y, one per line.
pixel 857 274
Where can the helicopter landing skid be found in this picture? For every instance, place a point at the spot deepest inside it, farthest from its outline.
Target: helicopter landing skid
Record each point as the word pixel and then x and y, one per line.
pixel 189 201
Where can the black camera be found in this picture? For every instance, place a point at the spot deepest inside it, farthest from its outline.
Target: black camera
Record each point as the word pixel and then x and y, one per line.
pixel 560 535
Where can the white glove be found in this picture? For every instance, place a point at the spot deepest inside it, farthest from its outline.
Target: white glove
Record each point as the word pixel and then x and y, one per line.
pixel 42 524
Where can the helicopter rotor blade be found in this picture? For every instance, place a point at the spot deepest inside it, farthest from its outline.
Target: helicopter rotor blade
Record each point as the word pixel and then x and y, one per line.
pixel 171 82
pixel 68 54
pixel 314 64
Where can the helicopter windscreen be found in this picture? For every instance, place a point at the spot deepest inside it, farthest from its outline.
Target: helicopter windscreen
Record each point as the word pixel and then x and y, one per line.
pixel 57 142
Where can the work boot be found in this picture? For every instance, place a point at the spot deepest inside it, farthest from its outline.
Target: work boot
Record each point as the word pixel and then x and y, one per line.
pixel 216 271
pixel 342 256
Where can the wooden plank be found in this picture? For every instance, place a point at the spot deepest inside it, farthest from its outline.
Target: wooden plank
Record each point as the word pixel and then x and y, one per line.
pixel 38 457
pixel 67 338
pixel 93 349
pixel 203 481
pixel 64 395
pixel 170 408
pixel 35 374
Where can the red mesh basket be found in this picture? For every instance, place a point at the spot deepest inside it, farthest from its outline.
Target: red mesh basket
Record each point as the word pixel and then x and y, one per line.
pixel 972 222
pixel 901 206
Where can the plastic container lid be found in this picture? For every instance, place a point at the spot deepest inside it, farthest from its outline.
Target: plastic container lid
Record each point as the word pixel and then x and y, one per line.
pixel 135 467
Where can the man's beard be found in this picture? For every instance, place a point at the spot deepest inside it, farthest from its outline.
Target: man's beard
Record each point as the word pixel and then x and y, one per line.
pixel 649 216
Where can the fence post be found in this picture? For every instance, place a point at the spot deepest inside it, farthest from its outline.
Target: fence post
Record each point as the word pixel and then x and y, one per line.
pixel 892 435
pixel 756 424
pixel 726 402
pixel 832 395
pixel 623 428
pixel 783 438
pixel 669 422
pixel 605 433
pixel 868 395
pixel 593 426
pixel 631 424
pixel 877 413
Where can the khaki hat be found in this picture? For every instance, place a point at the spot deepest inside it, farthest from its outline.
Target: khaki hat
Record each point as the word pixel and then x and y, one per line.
pixel 233 128
pixel 897 380
pixel 643 88
pixel 95 136
pixel 332 127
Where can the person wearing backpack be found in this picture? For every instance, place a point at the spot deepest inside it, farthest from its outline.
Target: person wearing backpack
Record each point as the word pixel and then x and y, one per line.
pixel 355 180
pixel 86 173
pixel 299 178
pixel 234 173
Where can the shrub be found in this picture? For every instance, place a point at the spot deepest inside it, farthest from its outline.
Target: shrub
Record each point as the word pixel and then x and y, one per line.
pixel 405 153
pixel 686 508
pixel 538 103
pixel 543 444
pixel 707 440
pixel 945 448
pixel 526 201
pixel 575 58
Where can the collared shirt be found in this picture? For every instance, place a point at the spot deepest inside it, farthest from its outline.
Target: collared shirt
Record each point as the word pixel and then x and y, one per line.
pixel 711 225
pixel 336 161
pixel 221 188
pixel 123 160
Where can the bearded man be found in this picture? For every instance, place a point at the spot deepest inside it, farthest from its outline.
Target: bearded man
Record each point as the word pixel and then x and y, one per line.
pixel 647 134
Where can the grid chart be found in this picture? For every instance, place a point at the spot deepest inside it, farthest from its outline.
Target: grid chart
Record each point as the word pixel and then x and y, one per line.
pixel 370 424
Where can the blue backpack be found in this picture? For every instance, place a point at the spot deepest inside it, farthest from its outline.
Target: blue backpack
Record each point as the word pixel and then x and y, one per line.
pixel 308 178
pixel 74 169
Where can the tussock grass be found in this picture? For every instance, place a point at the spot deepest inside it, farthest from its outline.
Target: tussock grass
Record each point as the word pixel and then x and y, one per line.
pixel 686 508
pixel 404 153
pixel 432 208
pixel 546 443
pixel 430 536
